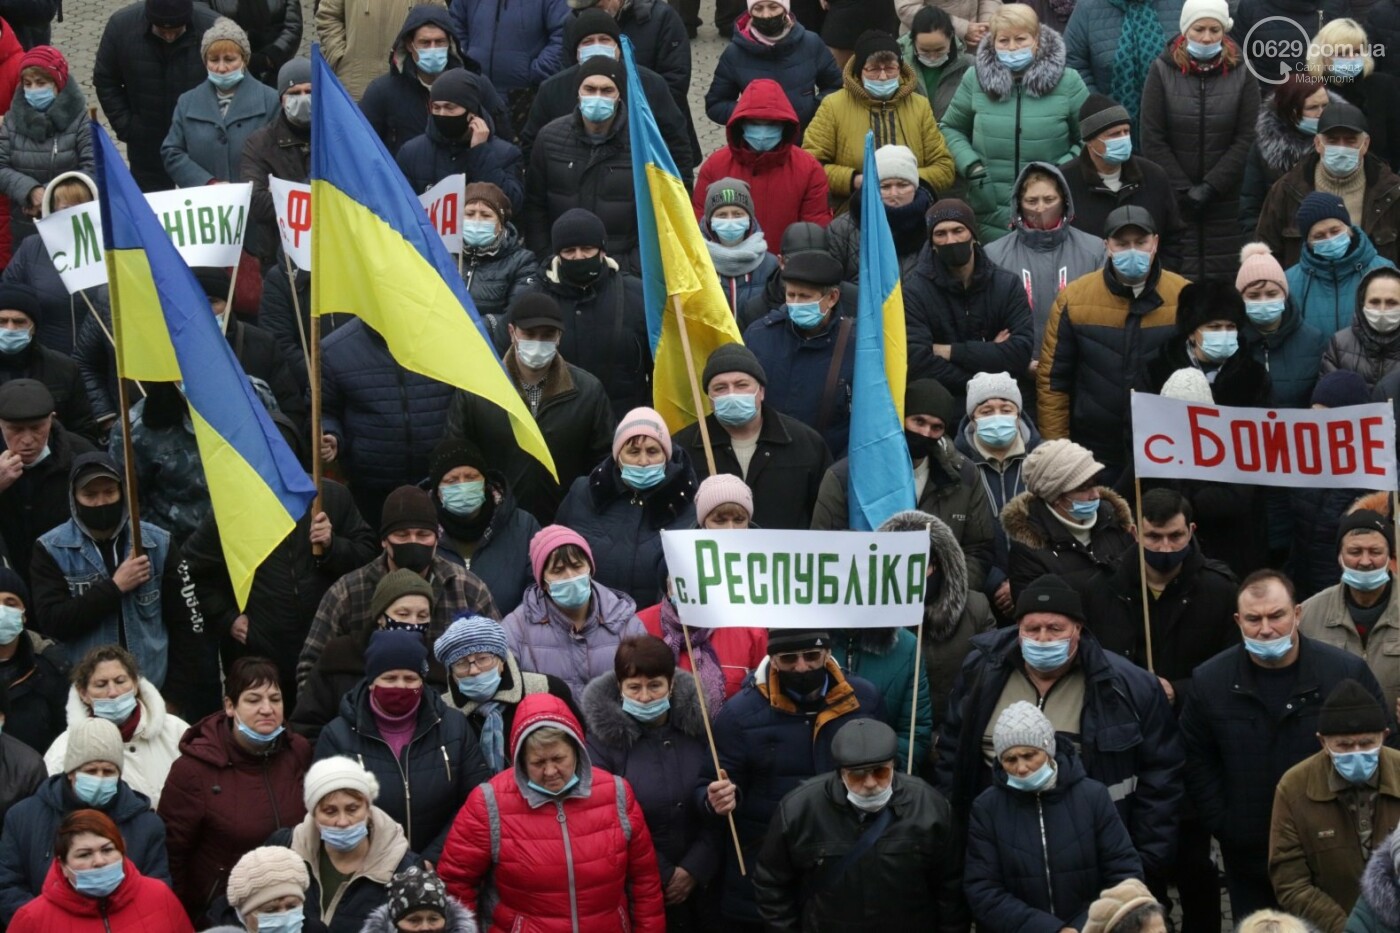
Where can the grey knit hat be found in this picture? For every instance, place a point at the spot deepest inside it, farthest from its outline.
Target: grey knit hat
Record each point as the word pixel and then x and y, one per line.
pixel 92 739
pixel 1021 724
pixel 1056 467
pixel 297 71
pixel 225 29
pixel 985 386
pixel 467 636
pixel 727 192
pixel 1098 113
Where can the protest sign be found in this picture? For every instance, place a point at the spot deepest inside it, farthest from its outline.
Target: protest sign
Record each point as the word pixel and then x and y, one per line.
pixel 1350 448
pixel 73 239
pixel 797 579
pixel 443 202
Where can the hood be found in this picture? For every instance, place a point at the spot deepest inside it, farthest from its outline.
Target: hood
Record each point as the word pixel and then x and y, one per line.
pixel 401 61
pixel 611 727
pixel 762 99
pixel 147 697
pixel 79 463
pixel 1040 79
pixel 909 84
pixel 1379 885
pixel 210 740
pixel 47 207
pixel 459 919
pixel 1024 527
pixel 537 711
pixel 387 847
pixel 1372 341
pixel 1361 255
pixel 1046 238
pixel 941 616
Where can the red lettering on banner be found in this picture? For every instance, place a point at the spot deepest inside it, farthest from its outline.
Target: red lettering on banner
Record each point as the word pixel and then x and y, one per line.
pixel 1307 440
pixel 1370 444
pixel 1147 448
pixel 298 214
pixel 1245 435
pixel 450 214
pixel 1277 458
pixel 1199 433
pixel 1340 437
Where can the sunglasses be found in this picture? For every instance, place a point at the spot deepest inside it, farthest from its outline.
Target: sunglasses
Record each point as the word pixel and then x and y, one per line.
pixel 814 656
pixel 881 772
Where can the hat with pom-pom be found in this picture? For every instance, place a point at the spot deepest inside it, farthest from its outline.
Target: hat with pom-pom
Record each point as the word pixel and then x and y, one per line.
pixel 1257 264
pixel 1188 385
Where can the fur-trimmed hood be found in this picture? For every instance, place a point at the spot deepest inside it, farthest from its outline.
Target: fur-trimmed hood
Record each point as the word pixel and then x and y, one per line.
pixel 941 616
pixel 1040 79
pixel 1025 527
pixel 1282 146
pixel 459 919
pixel 609 726
pixel 1379 885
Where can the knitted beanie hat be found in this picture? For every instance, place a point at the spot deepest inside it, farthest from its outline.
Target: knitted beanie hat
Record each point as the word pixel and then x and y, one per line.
pixel 1340 388
pixel 984 386
pixel 49 60
pixel 451 453
pixel 264 875
pixel 897 162
pixel 716 490
pixel 92 739
pixel 1257 264
pixel 395 585
pixel 1056 467
pixel 395 650
pixel 169 13
pixel 728 192
pixel 1100 112
pixel 1021 724
pixel 457 86
pixel 489 194
pixel 1320 205
pixel 413 889
pixel 12 582
pixel 1193 10
pixel 592 22
pixel 407 507
pixel 951 209
pixel 732 358
pixel 297 71
pixel 225 30
pixel 1050 593
pixel 1188 385
pixel 467 636
pixel 1116 903
pixel 577 227
pixel 549 539
pixel 1350 709
pixel 872 42
pixel 642 422
pixel 337 773
pixel 931 397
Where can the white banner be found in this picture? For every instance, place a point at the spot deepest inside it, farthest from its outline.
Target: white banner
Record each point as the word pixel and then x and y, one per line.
pixel 797 579
pixel 443 202
pixel 1352 447
pixel 206 225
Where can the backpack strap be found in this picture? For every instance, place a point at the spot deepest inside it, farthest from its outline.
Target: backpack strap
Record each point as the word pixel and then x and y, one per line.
pixel 621 788
pixel 833 374
pixel 493 819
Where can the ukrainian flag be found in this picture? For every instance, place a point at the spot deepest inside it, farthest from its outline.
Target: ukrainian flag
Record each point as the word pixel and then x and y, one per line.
pixel 676 264
pixel 376 255
pixel 881 475
pixel 166 332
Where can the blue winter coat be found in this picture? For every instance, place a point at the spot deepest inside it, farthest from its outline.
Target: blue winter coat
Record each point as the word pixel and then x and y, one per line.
pixel 517 44
pixel 423 788
pixel 797 366
pixel 61 315
pixel 1291 354
pixel 26 847
pixel 1324 290
pixel 502 555
pixel 204 145
pixel 386 419
pixel 799 61
pixel 428 159
pixel 1035 862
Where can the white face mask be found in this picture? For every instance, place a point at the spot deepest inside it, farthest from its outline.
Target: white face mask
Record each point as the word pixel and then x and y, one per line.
pixel 873 803
pixel 1384 320
pixel 536 354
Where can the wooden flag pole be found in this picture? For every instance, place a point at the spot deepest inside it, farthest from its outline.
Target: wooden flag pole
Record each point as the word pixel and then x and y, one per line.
pixel 228 302
pixel 710 736
pixel 129 467
pixel 1142 575
pixel 699 404
pixel 296 311
pixel 918 661
pixel 108 334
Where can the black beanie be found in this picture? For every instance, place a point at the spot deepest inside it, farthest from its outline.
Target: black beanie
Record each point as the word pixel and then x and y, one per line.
pixel 16 296
pixel 732 358
pixel 450 454
pixel 870 42
pixel 608 67
pixel 1350 709
pixel 1050 593
pixel 577 227
pixel 931 397
pixel 1366 520
pixel 589 22
pixel 457 86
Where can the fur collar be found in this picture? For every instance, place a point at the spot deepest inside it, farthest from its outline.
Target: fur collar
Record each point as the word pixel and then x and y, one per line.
pixel 459 919
pixel 68 107
pixel 1040 79
pixel 908 85
pixel 1282 146
pixel 941 617
pixel 609 726
pixel 1024 527
pixel 1380 887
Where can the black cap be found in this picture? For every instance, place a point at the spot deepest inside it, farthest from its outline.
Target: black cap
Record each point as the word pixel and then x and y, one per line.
pixel 12 582
pixel 16 296
pixel 536 309
pixel 1050 593
pixel 1129 215
pixel 577 227
pixel 732 358
pixel 169 13
pixel 1366 520
pixel 88 467
pixel 1350 709
pixel 872 42
pixel 802 236
pixel 813 267
pixel 861 743
pixel 781 640
pixel 1340 115
pixel 25 400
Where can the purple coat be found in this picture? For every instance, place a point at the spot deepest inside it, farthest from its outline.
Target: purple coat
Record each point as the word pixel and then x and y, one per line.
pixel 542 638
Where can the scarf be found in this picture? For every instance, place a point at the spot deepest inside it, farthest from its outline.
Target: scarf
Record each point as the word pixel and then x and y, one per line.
pixel 492 740
pixel 740 259
pixel 1350 188
pixel 839 700
pixel 710 674
pixel 1139 42
pixel 908 228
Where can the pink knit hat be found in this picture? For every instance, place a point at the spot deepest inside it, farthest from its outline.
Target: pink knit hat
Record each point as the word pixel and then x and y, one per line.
pixel 642 422
pixel 716 490
pixel 550 539
pixel 1257 264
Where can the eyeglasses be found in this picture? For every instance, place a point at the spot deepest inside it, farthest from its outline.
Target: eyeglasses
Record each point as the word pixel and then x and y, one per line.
pixel 880 772
pixel 474 663
pixel 880 71
pixel 815 656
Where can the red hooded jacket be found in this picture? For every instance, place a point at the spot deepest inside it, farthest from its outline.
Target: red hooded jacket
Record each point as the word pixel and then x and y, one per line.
pixel 788 183
pixel 10 54
pixel 138 905
pixel 559 864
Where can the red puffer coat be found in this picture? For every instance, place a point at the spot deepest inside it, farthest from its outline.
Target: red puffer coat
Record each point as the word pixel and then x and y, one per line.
pixel 221 802
pixel 138 905
pixel 568 864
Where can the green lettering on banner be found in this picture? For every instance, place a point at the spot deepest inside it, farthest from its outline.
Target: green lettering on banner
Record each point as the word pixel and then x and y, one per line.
pixel 208 232
pixel 782 578
pixel 736 580
pixel 889 567
pixel 87 246
pixel 853 586
pixel 226 224
pixel 758 567
pixel 177 231
pixel 704 549
pixel 917 577
pixel 680 591
pixel 874 573
pixel 830 590
pixel 805 590
pixel 238 227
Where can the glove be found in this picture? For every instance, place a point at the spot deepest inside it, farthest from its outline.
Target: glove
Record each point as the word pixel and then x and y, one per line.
pixel 976 171
pixel 1199 197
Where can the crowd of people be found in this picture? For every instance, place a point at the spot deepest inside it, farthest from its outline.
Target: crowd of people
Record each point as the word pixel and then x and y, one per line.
pixel 459 695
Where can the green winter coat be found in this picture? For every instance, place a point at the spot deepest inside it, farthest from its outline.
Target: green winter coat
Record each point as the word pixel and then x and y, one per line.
pixel 885 657
pixel 1003 123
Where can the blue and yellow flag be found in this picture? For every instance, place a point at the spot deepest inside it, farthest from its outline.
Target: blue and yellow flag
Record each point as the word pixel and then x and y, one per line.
pixel 166 332
pixel 676 264
pixel 375 255
pixel 881 474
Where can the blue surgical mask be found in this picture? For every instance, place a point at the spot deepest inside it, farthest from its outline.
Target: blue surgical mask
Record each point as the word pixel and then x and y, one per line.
pixel 1033 782
pixel 256 737
pixel 643 477
pixel 1084 510
pixel 1203 51
pixel 762 137
pixel 1118 150
pixel 1016 59
pixel 286 921
pixel 736 408
pixel 478 233
pixel 805 314
pixel 1307 125
pixel 1348 67
pixel 881 90
pixel 1341 160
pixel 228 81
pixel 94 790
pixel 1132 264
pixel 115 709
pixel 14 340
pixel 1274 650
pixel 585 52
pixel 343 840
pixel 432 61
pixel 1356 767
pixel 1218 346
pixel 463 499
pixel 1045 656
pixel 99 882
pixel 1367 581
pixel 1334 247
pixel 730 230
pixel 597 109
pixel 11 624
pixel 480 687
pixel 40 98
pixel 572 593
pixel 572 783
pixel 1265 312
pixel 997 431
pixel 646 712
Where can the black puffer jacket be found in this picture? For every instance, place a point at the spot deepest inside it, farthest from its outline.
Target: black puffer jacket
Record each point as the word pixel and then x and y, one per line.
pixel 423 788
pixel 1241 380
pixel 139 78
pixel 567 170
pixel 1383 27
pixel 21 772
pixel 282 151
pixel 277 314
pixel 496 275
pixel 1144 184
pixel 1041 544
pixel 38 688
pixel 60 374
pixel 61 315
pixel 274 30
pixel 428 158
pixel 940 309
pixel 387 419
pixel 31 20
pixel 1361 348
pixel 1279 24
pixel 502 536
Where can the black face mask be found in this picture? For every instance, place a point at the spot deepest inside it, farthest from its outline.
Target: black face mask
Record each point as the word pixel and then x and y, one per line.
pixel 413 556
pixel 581 272
pixel 770 26
pixel 1167 560
pixel 452 128
pixel 920 446
pixel 101 518
pixel 954 255
pixel 802 683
